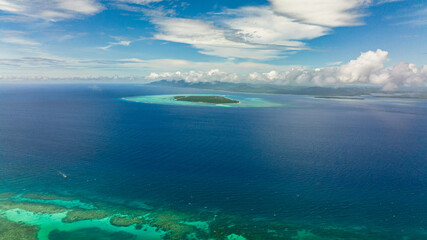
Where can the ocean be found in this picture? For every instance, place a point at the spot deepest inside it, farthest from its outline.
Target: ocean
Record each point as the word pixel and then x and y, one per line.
pixel 307 169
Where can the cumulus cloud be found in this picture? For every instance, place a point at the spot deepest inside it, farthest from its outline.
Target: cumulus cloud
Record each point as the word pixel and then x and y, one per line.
pixel 365 68
pixel 368 68
pixel 193 76
pixel 179 65
pixel 51 10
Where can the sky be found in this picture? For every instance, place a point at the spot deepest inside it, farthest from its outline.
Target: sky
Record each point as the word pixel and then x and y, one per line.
pixel 305 42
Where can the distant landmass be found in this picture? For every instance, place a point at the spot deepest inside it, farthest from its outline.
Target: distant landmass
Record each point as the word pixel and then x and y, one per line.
pixel 296 90
pixel 206 99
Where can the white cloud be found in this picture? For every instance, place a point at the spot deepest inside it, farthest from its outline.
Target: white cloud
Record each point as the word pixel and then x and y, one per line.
pixel 193 76
pixel 334 63
pixel 139 2
pixel 120 41
pixel 54 66
pixel 51 10
pixel 18 41
pixel 417 17
pixel 16 38
pixel 364 68
pixel 31 61
pixel 330 13
pixel 259 25
pixel 209 39
pixel 368 68
pixel 250 33
pixel 178 65
pixel 9 6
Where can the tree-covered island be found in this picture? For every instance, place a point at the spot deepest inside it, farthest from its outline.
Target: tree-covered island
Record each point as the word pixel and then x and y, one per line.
pixel 206 99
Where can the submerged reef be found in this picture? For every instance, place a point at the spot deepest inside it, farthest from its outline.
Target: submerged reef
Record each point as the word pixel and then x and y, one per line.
pixel 16 231
pixel 5 195
pixel 84 214
pixel 41 196
pixel 171 222
pixel 20 218
pixel 31 207
pixel 120 221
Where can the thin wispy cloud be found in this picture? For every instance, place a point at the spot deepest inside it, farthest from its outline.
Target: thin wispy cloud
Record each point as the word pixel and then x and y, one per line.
pixel 251 33
pixel 329 13
pixel 31 61
pixel 120 41
pixel 416 18
pixel 16 38
pixel 139 2
pixel 19 41
pixel 50 10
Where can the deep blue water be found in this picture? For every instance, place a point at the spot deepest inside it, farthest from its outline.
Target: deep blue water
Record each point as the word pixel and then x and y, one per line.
pixel 317 161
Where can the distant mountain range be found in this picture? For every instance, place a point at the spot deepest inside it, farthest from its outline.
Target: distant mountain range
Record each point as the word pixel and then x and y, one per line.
pixel 296 90
pixel 269 88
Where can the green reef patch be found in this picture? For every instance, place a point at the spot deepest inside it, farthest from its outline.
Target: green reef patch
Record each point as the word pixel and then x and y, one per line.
pixel 340 97
pixel 83 214
pixel 5 195
pixel 120 221
pixel 17 231
pixel 22 219
pixel 204 100
pixel 31 207
pixel 41 196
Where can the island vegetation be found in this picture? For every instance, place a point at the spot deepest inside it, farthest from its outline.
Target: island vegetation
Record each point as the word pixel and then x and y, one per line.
pixel 206 99
pixel 341 97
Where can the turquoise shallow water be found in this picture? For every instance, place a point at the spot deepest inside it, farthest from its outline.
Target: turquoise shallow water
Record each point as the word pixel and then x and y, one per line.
pixel 314 169
pixel 168 100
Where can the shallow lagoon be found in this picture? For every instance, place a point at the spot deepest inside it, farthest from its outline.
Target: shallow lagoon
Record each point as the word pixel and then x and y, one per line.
pixel 37 218
pixel 244 101
pixel 315 169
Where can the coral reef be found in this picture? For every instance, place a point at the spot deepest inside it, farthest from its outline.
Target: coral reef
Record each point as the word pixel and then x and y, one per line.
pixel 5 195
pixel 41 196
pixel 120 221
pixel 84 214
pixel 17 231
pixel 129 223
pixel 31 207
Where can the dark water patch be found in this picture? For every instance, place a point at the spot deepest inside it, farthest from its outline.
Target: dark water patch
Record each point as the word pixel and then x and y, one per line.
pixel 90 234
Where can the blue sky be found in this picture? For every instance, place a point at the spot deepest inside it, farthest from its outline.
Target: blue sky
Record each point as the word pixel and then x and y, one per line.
pixel 94 38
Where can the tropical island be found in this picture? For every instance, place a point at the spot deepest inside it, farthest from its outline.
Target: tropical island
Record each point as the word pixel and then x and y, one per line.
pixel 206 99
pixel 341 97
